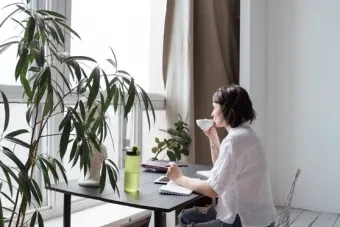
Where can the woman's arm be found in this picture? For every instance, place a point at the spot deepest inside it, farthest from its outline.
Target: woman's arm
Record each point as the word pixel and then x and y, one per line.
pixel 214 148
pixel 196 185
pixel 214 141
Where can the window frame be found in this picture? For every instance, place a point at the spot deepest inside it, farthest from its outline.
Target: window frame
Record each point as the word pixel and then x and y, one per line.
pixel 54 207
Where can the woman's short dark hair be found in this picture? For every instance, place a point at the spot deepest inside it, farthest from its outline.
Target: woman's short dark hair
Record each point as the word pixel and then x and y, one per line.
pixel 236 105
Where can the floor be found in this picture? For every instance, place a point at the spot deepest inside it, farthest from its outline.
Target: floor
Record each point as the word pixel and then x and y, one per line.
pixel 304 218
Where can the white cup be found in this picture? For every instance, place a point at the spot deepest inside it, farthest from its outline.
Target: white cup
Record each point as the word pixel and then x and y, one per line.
pixel 204 124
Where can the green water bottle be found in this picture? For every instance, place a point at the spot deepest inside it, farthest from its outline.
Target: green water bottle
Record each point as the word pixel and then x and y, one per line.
pixel 131 172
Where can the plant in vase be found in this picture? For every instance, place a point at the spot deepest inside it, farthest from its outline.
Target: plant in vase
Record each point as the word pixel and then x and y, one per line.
pixel 48 92
pixel 178 143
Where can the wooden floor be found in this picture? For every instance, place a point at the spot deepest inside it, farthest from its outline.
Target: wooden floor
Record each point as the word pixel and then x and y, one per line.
pixel 304 218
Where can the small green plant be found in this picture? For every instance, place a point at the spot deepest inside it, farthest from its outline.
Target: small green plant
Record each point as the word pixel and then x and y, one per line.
pixel 177 144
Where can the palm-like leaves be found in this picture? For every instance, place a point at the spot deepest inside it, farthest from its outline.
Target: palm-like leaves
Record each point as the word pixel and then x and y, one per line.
pixel 46 88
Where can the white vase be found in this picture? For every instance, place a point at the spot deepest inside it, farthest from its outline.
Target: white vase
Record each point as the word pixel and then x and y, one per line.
pixel 92 177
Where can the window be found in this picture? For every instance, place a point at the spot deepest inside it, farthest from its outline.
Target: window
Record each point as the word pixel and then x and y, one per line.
pixel 134 30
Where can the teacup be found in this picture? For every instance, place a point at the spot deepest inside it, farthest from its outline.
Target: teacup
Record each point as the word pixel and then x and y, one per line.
pixel 204 124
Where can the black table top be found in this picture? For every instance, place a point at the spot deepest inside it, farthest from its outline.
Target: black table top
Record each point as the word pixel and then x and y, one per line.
pixel 148 196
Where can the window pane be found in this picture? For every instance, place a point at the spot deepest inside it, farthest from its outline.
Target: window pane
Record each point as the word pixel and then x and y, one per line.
pixel 9 29
pixel 125 26
pixel 150 135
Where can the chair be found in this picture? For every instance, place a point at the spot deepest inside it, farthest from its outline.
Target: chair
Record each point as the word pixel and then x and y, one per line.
pixel 284 220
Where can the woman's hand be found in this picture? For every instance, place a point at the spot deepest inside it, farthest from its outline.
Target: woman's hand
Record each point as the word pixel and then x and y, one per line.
pixel 211 132
pixel 174 173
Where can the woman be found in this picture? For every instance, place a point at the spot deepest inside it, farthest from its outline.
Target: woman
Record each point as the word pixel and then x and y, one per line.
pixel 239 177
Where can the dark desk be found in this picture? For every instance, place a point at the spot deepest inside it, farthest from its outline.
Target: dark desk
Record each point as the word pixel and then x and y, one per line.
pixel 148 196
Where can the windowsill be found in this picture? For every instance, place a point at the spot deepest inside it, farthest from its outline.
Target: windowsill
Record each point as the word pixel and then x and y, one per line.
pixel 106 215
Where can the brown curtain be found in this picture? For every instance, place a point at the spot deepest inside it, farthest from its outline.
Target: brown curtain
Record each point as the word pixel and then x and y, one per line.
pixel 215 59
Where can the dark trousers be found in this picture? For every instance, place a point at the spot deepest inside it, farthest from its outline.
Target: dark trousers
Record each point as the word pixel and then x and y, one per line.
pixel 205 217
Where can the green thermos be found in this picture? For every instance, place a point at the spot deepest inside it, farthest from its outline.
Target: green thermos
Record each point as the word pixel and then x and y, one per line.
pixel 131 172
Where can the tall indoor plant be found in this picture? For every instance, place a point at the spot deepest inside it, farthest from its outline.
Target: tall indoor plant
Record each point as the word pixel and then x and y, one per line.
pixel 46 91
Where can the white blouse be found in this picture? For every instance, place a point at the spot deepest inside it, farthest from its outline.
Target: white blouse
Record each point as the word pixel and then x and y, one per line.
pixel 240 178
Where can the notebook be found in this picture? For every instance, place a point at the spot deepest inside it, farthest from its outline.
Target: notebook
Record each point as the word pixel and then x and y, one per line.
pixel 174 189
pixel 204 173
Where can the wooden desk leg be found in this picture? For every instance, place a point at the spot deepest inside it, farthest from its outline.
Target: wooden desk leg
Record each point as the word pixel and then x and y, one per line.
pixel 67 210
pixel 158 218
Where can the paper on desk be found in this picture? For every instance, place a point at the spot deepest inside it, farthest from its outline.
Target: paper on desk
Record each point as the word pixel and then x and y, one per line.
pixel 204 173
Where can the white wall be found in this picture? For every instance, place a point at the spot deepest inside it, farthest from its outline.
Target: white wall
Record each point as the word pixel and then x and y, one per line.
pixel 301 89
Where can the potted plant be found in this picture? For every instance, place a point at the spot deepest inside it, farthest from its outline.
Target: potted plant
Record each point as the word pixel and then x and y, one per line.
pixel 46 89
pixel 178 143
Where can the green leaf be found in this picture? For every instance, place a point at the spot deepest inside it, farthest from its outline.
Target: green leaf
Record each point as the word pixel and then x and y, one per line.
pixel 146 104
pixel 11 14
pixel 66 119
pixel 62 169
pixel 84 58
pixel 41 22
pixel 40 220
pixel 6 107
pixel 18 141
pixel 115 59
pixel 15 159
pixel 112 62
pixel 154 149
pixel 39 56
pixel 60 32
pixel 26 86
pixel 37 189
pixel 77 70
pixel 160 144
pixel 171 155
pixel 9 182
pixel 17 132
pixel 29 114
pixel 113 179
pixel 102 178
pixel 5 168
pixel 34 69
pixel 156 140
pixel 34 217
pixel 82 110
pixel 131 99
pixel 95 87
pixel 73 150
pixel 116 99
pixel 44 171
pixel 18 22
pixel 64 139
pixel 2 224
pixel 7 197
pixel 52 169
pixel 34 191
pixel 30 29
pixel 112 163
pixel 178 154
pixel 48 105
pixel 63 77
pixel 52 13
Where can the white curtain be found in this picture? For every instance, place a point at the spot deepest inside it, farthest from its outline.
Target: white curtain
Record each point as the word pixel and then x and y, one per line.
pixel 178 66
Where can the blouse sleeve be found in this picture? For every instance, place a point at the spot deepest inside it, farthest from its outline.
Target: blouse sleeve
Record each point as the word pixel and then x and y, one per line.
pixel 225 168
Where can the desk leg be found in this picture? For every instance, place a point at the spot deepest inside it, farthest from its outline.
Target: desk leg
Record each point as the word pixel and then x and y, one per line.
pixel 158 218
pixel 67 210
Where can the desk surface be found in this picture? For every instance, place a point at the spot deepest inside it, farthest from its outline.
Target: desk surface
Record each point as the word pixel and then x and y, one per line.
pixel 148 196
